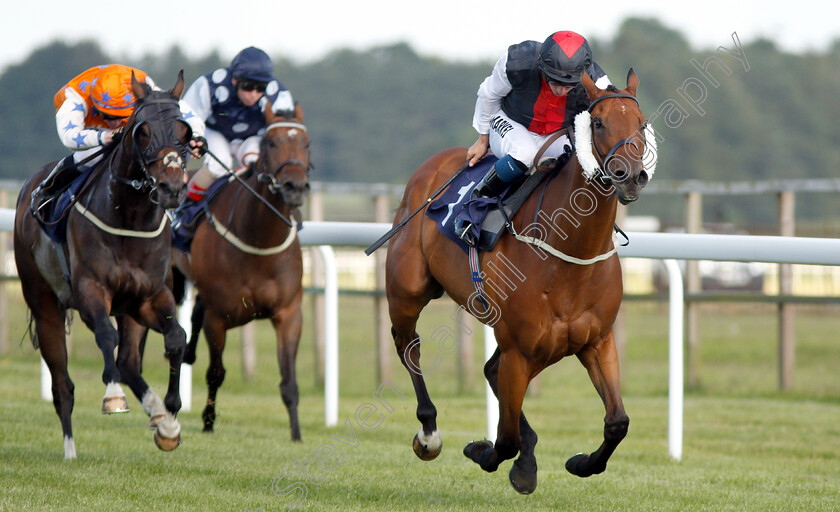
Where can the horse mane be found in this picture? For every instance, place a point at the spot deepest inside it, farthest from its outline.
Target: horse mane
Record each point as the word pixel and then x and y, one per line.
pixel 612 88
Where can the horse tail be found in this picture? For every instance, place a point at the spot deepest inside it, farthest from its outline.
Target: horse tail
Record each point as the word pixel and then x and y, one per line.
pixel 179 285
pixel 197 320
pixel 30 330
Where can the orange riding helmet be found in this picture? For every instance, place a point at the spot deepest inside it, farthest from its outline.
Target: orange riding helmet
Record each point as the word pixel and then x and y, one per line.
pixel 111 92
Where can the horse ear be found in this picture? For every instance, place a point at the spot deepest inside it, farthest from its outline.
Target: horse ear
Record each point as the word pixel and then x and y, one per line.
pixel 632 82
pixel 268 112
pixel 179 85
pixel 298 113
pixel 591 89
pixel 138 87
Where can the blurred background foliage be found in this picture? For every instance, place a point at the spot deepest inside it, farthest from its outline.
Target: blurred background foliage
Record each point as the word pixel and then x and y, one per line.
pixel 375 115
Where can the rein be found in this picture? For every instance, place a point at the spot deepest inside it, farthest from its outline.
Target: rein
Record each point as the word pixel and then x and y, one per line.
pixel 591 170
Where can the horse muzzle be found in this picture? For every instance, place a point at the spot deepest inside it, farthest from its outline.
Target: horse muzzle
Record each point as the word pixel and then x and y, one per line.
pixel 294 193
pixel 170 194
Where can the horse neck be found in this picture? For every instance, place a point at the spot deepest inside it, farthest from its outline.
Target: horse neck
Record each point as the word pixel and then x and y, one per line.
pixel 122 203
pixel 252 220
pixel 579 213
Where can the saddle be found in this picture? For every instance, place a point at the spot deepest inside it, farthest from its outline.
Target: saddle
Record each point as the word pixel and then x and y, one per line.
pixel 489 216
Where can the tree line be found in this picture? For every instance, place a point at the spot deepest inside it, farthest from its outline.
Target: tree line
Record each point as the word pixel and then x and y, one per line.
pixel 749 112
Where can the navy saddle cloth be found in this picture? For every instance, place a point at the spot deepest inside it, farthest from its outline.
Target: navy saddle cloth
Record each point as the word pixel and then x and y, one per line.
pixel 457 200
pixel 53 216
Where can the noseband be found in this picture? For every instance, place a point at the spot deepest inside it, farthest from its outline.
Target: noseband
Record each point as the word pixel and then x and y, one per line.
pixel 605 160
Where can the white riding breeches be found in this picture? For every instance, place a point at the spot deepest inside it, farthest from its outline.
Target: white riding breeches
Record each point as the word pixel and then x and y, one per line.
pixel 244 151
pixel 507 137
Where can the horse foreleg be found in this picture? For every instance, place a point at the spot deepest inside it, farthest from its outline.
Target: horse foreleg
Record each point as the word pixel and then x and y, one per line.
pixel 287 326
pixel 215 333
pixel 523 472
pixel 602 364
pixel 512 382
pixel 130 364
pixel 160 313
pixel 95 308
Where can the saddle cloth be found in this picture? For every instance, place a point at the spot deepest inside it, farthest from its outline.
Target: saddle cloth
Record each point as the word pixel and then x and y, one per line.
pixel 457 200
pixel 53 216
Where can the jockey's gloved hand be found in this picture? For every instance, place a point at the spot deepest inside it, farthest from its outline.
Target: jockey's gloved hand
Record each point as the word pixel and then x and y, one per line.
pixel 116 135
pixel 198 146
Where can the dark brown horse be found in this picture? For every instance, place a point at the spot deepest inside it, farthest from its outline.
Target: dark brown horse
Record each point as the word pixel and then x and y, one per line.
pixel 246 262
pixel 117 255
pixel 542 307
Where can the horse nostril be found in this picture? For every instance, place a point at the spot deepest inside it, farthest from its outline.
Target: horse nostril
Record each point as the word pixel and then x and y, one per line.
pixel 642 179
pixel 618 175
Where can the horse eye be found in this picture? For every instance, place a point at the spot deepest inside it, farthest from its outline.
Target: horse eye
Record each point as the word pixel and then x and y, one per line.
pixel 597 123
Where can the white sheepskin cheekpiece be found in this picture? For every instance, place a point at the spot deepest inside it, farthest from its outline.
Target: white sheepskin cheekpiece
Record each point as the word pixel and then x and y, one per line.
pixel 583 147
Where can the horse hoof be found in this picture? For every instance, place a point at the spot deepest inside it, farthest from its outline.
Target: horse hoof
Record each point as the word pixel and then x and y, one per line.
pixel 579 465
pixel 155 420
pixel 525 482
pixel 165 443
pixel 474 449
pixel 114 404
pixel 425 452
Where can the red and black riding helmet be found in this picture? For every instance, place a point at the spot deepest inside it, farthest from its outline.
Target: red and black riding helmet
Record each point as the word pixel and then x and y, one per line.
pixel 564 56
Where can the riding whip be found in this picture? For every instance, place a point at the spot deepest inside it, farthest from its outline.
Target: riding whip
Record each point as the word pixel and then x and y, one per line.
pixel 387 236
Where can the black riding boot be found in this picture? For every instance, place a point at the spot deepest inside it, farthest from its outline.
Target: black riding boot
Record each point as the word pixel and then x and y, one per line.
pixel 490 185
pixel 62 175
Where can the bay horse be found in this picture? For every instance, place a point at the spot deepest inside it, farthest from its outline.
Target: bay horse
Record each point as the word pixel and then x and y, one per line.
pixel 245 258
pixel 545 305
pixel 117 257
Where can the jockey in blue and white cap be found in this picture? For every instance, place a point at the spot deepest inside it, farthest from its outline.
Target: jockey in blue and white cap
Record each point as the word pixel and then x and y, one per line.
pixel 231 101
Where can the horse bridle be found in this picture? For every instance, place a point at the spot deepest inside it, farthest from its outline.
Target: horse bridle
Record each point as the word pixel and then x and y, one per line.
pixel 269 178
pixel 161 123
pixel 605 160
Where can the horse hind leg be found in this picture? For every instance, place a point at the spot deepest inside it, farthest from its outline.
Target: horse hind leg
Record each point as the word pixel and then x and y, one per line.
pixel 49 328
pixel 196 320
pixel 409 288
pixel 602 366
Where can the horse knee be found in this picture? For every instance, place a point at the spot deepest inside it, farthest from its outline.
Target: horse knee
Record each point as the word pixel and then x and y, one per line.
pixel 215 376
pixel 289 394
pixel 615 431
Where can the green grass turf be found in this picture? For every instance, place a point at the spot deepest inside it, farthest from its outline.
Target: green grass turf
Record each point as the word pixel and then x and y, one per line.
pixel 747 446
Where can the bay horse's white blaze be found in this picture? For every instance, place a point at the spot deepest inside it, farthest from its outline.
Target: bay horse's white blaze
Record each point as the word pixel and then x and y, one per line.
pixel 431 442
pixel 69 448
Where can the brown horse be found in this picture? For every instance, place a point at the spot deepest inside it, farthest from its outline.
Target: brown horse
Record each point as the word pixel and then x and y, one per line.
pixel 246 262
pixel 542 307
pixel 117 257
